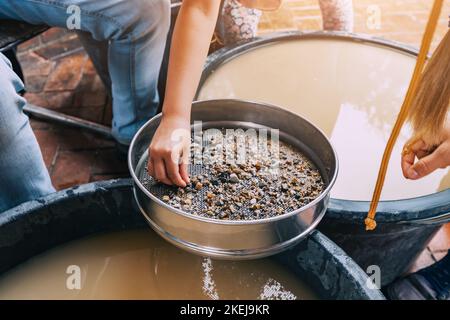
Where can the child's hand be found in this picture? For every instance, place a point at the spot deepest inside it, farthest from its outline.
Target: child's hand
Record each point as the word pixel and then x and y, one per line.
pixel 429 158
pixel 169 151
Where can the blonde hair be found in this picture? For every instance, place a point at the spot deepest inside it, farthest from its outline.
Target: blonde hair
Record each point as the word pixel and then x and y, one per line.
pixel 429 107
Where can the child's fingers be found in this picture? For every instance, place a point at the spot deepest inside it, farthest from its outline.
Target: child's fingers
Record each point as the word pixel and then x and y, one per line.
pixel 150 167
pixel 160 171
pixel 412 150
pixel 185 158
pixel 173 172
pixel 407 163
pixel 427 165
pixel 184 172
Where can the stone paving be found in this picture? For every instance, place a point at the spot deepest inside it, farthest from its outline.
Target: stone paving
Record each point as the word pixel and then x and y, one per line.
pixel 60 76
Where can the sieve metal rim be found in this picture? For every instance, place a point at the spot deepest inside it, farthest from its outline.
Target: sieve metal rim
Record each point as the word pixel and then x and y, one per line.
pixel 322 195
pixel 227 254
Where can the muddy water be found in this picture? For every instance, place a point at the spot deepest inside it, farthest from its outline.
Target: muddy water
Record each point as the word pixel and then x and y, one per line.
pixel 352 91
pixel 140 265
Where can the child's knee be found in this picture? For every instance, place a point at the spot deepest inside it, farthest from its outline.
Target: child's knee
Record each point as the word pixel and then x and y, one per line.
pixel 151 16
pixel 137 18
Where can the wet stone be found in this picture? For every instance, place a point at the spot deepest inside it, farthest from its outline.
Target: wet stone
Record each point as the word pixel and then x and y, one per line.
pixel 198 186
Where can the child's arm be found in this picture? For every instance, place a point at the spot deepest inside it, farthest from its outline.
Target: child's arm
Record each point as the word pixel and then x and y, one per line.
pixel 190 43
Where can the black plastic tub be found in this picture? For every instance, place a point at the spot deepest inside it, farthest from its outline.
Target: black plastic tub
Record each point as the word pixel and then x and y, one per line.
pixel 37 226
pixel 405 227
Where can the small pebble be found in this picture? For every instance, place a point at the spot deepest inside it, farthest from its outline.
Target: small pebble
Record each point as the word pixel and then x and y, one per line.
pixel 198 186
pixel 234 178
pixel 187 201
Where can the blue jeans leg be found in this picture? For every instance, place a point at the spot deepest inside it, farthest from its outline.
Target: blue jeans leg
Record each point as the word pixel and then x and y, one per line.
pixel 23 175
pixel 133 33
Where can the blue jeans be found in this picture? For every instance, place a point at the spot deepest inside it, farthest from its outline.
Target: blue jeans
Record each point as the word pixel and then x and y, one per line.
pixel 23 175
pixel 126 40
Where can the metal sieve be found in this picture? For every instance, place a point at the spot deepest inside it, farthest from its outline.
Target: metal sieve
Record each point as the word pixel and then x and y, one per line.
pixel 160 190
pixel 234 239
